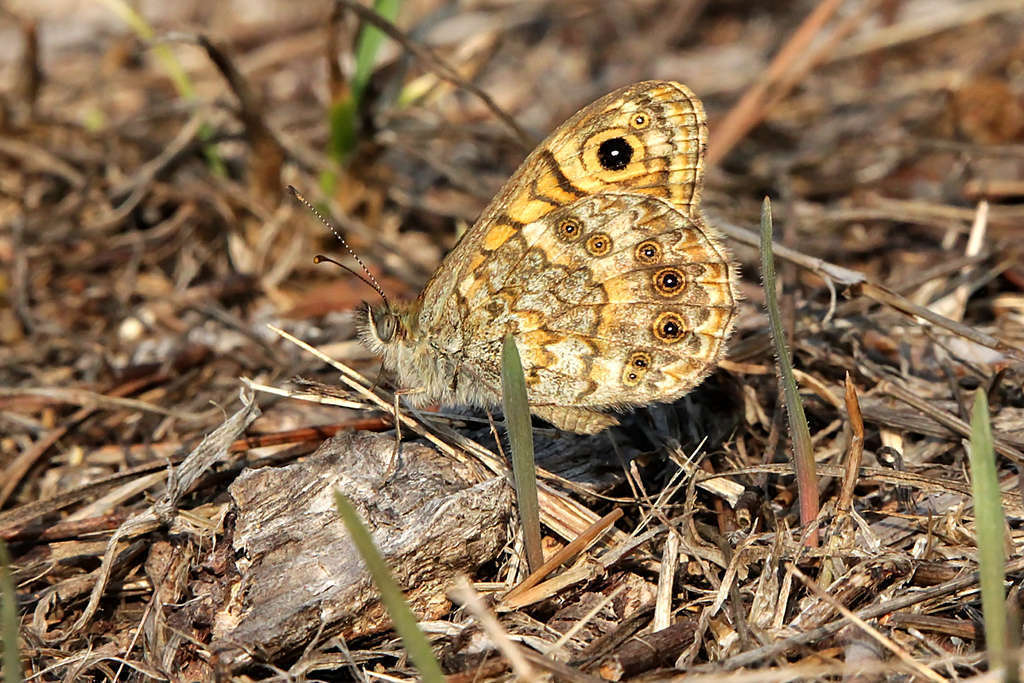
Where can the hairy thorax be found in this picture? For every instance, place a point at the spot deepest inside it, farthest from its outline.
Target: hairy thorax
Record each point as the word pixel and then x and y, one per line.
pixel 426 373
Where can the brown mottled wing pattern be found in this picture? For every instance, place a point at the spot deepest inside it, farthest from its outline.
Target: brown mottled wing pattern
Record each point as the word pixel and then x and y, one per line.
pixel 596 257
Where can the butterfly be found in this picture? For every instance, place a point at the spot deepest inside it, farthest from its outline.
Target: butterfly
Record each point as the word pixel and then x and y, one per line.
pixel 595 257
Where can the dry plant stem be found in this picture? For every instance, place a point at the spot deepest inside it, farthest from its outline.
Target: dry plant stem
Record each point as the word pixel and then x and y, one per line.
pixel 584 572
pixel 887 607
pixel 14 472
pixel 1011 500
pixel 562 671
pixel 11 520
pixel 955 304
pixel 666 583
pixel 586 619
pixel 648 651
pixel 470 599
pixel 145 174
pixel 799 70
pixel 860 284
pixel 118 496
pixel 438 66
pixel 951 422
pixel 37 158
pixel 827 271
pixel 623 631
pixel 310 396
pixel 570 551
pixel 64 530
pixel 750 110
pixel 560 514
pixel 267 155
pixel 958 628
pixel 887 643
pixel 885 296
pixel 806 380
pixel 211 449
pixel 30 73
pixel 855 454
pixel 139 185
pixel 94 400
pixel 355 382
pixel 923 26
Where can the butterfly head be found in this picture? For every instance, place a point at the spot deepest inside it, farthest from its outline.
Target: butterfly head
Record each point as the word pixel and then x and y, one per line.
pixel 384 327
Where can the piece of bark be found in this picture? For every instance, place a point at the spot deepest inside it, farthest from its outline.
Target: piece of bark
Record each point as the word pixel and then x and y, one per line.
pixel 642 653
pixel 298 572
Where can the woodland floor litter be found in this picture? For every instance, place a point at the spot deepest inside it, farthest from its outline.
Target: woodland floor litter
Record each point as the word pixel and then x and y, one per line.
pixel 147 239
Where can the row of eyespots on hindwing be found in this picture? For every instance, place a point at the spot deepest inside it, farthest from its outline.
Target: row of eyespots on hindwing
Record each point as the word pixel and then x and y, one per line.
pixel 668 328
pixel 637 365
pixel 570 231
pixel 668 282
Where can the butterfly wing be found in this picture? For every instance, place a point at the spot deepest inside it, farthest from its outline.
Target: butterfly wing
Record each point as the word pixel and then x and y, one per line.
pixel 568 258
pixel 647 138
pixel 614 300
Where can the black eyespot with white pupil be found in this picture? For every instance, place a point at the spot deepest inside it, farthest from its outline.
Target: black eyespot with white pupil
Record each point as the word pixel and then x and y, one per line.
pixel 648 252
pixel 599 244
pixel 636 367
pixel 639 121
pixel 569 230
pixel 669 281
pixel 614 154
pixel 668 327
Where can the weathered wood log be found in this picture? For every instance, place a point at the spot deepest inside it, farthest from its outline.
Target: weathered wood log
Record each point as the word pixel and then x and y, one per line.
pixel 298 574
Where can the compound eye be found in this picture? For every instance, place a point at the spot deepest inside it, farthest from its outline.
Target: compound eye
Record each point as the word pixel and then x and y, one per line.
pixel 386 325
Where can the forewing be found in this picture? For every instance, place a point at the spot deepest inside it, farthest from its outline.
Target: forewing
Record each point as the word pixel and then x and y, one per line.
pixel 646 139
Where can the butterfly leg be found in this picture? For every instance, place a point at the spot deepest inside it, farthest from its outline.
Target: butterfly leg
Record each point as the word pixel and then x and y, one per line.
pixel 393 465
pixel 579 420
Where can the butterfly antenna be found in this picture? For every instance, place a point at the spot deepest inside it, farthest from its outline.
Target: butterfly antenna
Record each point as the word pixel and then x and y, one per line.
pixel 320 258
pixel 369 279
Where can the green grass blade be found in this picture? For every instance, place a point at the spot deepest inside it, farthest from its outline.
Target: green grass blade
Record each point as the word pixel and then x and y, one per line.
pixel 342 117
pixel 9 623
pixel 370 39
pixel 520 437
pixel 988 519
pixel 404 621
pixel 172 67
pixel 803 451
